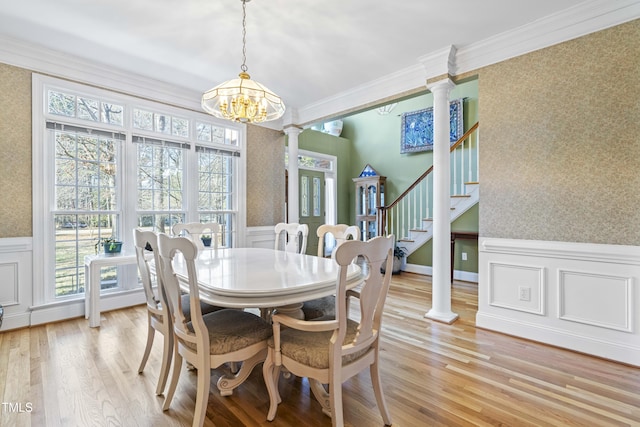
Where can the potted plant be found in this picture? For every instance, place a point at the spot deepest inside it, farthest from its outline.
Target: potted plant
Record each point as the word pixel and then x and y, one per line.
pixel 206 239
pixel 399 252
pixel 110 245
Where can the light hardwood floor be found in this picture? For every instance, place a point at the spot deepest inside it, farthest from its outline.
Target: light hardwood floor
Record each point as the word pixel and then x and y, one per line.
pixel 67 374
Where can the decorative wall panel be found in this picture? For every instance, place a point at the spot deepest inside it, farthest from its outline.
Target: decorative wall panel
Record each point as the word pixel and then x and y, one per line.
pixel 9 289
pixel 586 298
pixel 16 282
pixel 517 287
pixel 583 296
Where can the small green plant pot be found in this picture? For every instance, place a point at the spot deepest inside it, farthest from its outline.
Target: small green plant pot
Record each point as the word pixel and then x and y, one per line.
pixel 112 247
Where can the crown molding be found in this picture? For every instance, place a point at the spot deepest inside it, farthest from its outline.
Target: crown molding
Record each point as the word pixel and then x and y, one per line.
pixel 582 19
pixel 57 64
pixel 439 63
pixel 585 18
pixel 402 81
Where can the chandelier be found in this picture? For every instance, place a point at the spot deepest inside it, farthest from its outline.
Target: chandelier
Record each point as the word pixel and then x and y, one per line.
pixel 242 99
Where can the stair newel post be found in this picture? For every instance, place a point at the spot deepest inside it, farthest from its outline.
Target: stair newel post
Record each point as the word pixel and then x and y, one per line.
pixel 441 291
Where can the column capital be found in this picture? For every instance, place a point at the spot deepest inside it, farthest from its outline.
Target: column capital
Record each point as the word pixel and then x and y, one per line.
pixel 441 85
pixel 292 130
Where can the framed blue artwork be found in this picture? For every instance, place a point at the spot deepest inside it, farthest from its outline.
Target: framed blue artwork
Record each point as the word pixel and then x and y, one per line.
pixel 417 128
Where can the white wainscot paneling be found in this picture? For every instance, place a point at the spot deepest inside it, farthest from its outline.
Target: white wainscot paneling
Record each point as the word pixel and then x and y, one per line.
pixel 579 296
pixel 261 237
pixel 9 290
pixel 16 282
pixel 595 299
pixel 517 287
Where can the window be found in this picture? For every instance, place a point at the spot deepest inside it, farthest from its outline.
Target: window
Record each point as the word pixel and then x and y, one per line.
pixel 85 200
pixel 216 195
pixel 160 183
pixel 105 163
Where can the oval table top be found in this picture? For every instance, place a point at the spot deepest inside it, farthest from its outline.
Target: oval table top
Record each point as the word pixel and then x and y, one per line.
pixel 264 278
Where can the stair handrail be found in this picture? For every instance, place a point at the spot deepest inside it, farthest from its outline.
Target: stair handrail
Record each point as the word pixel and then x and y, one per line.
pixel 381 213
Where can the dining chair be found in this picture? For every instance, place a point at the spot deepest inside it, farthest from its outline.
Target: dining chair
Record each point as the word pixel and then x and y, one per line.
pixel 158 315
pixel 210 340
pixel 195 231
pixel 325 307
pixel 332 351
pixel 340 234
pixel 292 237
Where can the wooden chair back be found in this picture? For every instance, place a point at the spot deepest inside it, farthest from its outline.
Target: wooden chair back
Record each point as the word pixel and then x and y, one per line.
pixel 195 231
pixel 340 232
pixel 143 240
pixel 292 237
pixel 377 253
pixel 168 248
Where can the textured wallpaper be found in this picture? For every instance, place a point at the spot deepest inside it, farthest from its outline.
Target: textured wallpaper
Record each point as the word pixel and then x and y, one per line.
pixel 15 152
pixel 265 176
pixel 560 141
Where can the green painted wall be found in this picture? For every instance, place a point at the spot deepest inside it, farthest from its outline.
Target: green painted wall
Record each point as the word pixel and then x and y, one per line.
pixel 375 140
pixel 369 138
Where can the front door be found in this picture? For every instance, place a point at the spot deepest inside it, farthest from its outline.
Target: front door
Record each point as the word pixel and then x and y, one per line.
pixel 312 205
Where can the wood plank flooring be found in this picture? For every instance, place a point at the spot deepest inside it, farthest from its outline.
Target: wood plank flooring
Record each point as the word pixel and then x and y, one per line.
pixel 67 374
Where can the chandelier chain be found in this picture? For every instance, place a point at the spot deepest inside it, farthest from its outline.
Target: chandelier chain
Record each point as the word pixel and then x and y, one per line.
pixel 243 67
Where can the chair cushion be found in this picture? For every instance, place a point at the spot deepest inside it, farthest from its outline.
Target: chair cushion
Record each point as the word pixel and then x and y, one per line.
pixel 204 307
pixel 312 348
pixel 232 330
pixel 320 307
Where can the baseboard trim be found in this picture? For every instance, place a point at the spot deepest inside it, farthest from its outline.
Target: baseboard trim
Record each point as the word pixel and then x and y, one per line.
pixel 15 321
pixel 425 270
pixel 615 351
pixel 57 312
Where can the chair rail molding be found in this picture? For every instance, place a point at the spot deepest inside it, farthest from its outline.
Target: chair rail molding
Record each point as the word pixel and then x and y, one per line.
pixel 579 296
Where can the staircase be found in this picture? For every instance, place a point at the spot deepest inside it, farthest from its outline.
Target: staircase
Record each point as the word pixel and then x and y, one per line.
pixel 409 216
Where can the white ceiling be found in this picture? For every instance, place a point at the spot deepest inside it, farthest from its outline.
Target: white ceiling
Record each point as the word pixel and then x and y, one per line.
pixel 304 50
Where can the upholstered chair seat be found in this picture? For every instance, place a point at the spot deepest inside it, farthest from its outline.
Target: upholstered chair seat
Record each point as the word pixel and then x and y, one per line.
pixel 312 349
pixel 232 330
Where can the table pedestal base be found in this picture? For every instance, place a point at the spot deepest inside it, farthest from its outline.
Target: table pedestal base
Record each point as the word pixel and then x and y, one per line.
pixel 291 310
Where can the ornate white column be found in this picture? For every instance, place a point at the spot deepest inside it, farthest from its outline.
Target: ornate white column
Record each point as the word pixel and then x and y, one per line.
pixel 293 214
pixel 441 291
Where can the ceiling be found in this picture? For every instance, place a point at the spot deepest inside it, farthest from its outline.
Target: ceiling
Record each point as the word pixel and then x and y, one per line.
pixel 304 50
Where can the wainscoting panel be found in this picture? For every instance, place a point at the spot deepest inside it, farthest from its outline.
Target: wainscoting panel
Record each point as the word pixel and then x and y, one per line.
pixel 261 237
pixel 16 282
pixel 9 290
pixel 579 296
pixel 517 287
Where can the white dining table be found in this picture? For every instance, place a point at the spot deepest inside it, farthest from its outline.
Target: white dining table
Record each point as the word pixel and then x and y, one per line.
pixel 264 278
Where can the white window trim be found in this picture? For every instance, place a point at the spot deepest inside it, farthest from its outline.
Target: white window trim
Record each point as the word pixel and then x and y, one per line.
pixel 43 173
